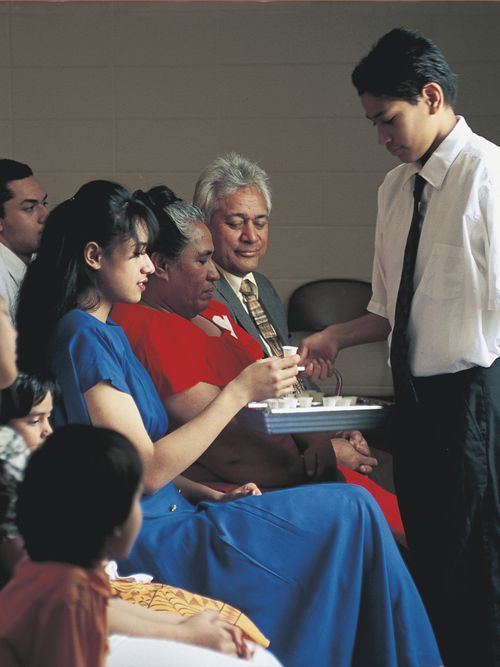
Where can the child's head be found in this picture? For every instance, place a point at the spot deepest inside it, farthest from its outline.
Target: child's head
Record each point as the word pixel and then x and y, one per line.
pixel 79 500
pixel 399 66
pixel 26 407
pixel 407 90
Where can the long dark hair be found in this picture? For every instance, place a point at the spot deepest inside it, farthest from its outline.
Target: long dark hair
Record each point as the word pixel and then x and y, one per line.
pixel 101 211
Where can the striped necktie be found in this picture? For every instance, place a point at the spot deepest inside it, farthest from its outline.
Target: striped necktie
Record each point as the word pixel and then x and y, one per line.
pixel 258 315
pixel 264 326
pixel 404 388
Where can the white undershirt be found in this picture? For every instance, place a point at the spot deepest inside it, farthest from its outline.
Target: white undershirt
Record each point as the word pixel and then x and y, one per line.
pixel 12 271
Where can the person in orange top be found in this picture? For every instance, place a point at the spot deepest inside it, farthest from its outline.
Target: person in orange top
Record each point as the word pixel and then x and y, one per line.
pixel 54 610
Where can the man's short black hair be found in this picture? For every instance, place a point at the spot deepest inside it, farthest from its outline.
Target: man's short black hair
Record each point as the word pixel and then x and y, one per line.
pixel 400 64
pixel 10 170
pixel 78 487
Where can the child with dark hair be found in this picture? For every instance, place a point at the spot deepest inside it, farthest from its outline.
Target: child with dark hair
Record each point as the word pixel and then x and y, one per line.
pixel 13 455
pixel 26 407
pixel 436 291
pixel 54 610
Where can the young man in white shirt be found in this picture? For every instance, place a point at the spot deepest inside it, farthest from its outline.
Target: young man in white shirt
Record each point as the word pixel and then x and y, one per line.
pixel 450 417
pixel 23 211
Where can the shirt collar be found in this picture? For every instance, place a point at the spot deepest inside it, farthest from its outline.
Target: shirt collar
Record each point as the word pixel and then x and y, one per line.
pixel 14 264
pixel 235 281
pixel 435 169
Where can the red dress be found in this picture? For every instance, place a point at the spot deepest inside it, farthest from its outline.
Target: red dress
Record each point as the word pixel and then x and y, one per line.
pixel 178 355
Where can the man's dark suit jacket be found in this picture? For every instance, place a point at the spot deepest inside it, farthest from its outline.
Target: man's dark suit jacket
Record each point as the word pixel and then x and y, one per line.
pixel 269 300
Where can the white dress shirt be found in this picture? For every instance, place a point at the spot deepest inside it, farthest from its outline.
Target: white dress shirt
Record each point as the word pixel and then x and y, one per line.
pixel 12 270
pixel 455 316
pixel 235 284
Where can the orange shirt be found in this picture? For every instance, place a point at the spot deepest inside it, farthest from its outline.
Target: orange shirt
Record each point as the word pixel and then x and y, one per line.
pixel 55 614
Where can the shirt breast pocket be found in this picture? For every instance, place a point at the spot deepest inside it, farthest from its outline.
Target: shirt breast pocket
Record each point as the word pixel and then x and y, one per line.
pixel 444 274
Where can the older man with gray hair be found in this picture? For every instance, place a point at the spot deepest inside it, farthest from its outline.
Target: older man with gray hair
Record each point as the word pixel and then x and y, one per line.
pixel 234 194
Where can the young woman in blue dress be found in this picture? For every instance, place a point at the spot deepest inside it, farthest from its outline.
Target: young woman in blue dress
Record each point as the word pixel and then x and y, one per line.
pixel 315 567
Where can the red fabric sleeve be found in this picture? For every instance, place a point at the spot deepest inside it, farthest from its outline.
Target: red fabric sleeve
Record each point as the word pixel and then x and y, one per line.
pixel 178 354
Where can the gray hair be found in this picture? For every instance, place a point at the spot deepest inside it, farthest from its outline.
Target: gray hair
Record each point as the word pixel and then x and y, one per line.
pixel 176 219
pixel 223 177
pixel 183 216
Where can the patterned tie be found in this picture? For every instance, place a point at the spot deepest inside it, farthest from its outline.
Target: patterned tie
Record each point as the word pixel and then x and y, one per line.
pixel 403 381
pixel 264 326
pixel 256 312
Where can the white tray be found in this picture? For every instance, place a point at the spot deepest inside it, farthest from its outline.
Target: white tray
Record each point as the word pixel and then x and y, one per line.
pixel 259 417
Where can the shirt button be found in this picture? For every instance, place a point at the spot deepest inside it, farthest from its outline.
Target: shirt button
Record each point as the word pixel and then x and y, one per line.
pixel 172 508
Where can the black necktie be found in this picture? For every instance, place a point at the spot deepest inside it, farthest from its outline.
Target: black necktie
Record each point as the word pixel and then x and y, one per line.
pixel 404 388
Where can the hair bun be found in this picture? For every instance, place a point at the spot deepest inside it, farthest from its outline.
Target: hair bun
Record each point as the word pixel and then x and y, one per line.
pixel 162 196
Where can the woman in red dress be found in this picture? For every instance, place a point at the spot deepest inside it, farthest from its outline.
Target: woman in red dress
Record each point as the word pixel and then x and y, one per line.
pixel 192 349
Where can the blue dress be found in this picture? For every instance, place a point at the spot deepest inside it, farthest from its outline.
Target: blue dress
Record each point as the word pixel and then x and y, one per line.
pixel 315 567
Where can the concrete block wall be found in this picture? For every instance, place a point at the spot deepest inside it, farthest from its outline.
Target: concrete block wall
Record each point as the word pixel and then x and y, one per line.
pixel 149 93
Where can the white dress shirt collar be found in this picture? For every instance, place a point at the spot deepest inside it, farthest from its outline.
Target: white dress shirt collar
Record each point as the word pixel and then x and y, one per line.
pixel 235 282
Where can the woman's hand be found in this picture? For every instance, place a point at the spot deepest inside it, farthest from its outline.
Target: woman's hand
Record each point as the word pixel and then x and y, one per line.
pixel 249 489
pixel 209 630
pixel 266 378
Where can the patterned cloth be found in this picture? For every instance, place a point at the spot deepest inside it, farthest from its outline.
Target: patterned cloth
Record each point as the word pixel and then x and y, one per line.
pixel 161 597
pixel 13 458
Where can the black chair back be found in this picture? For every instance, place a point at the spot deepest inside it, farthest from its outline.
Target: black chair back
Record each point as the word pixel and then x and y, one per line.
pixel 315 305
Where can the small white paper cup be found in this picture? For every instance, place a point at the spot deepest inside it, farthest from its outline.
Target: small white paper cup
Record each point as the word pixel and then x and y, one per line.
pixel 346 401
pixel 289 350
pixel 288 402
pixel 304 401
pixel 330 401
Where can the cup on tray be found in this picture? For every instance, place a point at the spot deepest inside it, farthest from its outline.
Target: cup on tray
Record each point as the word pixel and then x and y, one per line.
pixel 346 401
pixel 330 401
pixel 304 401
pixel 287 402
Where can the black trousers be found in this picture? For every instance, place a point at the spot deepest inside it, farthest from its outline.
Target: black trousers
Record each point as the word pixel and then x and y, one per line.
pixel 446 450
